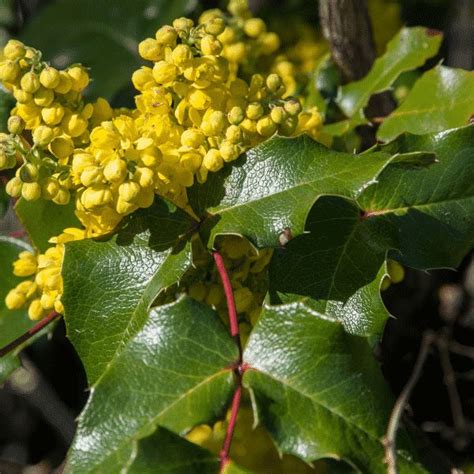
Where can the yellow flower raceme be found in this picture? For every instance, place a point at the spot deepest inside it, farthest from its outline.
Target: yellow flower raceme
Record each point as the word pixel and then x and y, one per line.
pixel 43 291
pixel 51 106
pixel 212 91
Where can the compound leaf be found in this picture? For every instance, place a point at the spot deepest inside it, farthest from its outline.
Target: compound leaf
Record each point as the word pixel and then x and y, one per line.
pixel 421 216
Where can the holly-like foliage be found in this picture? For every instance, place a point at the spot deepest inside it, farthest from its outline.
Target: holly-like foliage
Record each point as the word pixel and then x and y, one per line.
pixel 309 235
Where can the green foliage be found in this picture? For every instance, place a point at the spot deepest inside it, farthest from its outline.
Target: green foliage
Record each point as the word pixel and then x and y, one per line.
pixel 442 98
pixel 98 30
pixel 318 390
pixel 33 215
pixel 159 362
pixel 421 216
pixel 410 48
pixel 117 279
pixel 172 455
pixel 273 187
pixel 12 323
pixel 175 372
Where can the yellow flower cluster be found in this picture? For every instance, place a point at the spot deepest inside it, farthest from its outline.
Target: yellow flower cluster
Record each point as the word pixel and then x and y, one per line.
pixel 51 108
pixel 43 290
pixel 194 103
pixel 201 104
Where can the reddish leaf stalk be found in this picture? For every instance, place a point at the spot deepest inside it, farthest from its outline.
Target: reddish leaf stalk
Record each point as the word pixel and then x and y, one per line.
pixel 224 454
pixel 17 234
pixel 229 295
pixel 30 333
pixel 239 369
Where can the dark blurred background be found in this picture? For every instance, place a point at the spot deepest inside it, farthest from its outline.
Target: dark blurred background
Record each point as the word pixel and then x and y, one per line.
pixel 40 401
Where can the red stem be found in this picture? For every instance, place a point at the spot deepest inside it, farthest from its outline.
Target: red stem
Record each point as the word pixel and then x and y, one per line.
pixel 30 333
pixel 229 295
pixel 234 332
pixel 224 454
pixel 17 234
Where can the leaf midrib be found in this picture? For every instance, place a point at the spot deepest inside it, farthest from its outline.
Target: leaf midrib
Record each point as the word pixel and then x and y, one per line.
pixel 392 210
pixel 317 402
pixel 216 211
pixel 154 420
pixel 142 301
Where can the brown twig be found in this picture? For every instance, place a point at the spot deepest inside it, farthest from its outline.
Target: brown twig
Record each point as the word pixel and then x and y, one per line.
pixel 390 439
pixel 30 333
pixel 461 349
pixel 346 26
pixel 450 381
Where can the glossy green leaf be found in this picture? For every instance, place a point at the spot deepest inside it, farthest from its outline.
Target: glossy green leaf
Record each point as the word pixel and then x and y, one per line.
pixel 167 453
pixel 176 372
pixel 111 282
pixel 314 96
pixel 319 391
pixel 362 314
pixel 100 35
pixel 409 49
pixel 339 254
pixel 342 127
pixel 428 211
pixel 423 216
pixel 12 323
pixel 272 188
pixel 442 98
pixel 44 219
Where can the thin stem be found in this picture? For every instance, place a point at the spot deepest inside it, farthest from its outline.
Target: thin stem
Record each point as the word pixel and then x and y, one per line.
pixel 461 349
pixel 17 234
pixel 234 332
pixel 390 439
pixel 450 382
pixel 224 454
pixel 229 295
pixel 30 333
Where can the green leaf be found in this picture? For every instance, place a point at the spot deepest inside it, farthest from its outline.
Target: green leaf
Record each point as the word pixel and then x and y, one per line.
pixel 6 104
pixel 176 372
pixel 12 323
pixel 319 391
pixel 442 98
pixel 274 185
pixel 339 254
pixel 314 96
pixel 110 283
pixel 34 214
pixel 363 314
pixel 409 49
pixel 342 127
pixel 100 35
pixel 422 216
pixel 428 211
pixel 168 453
